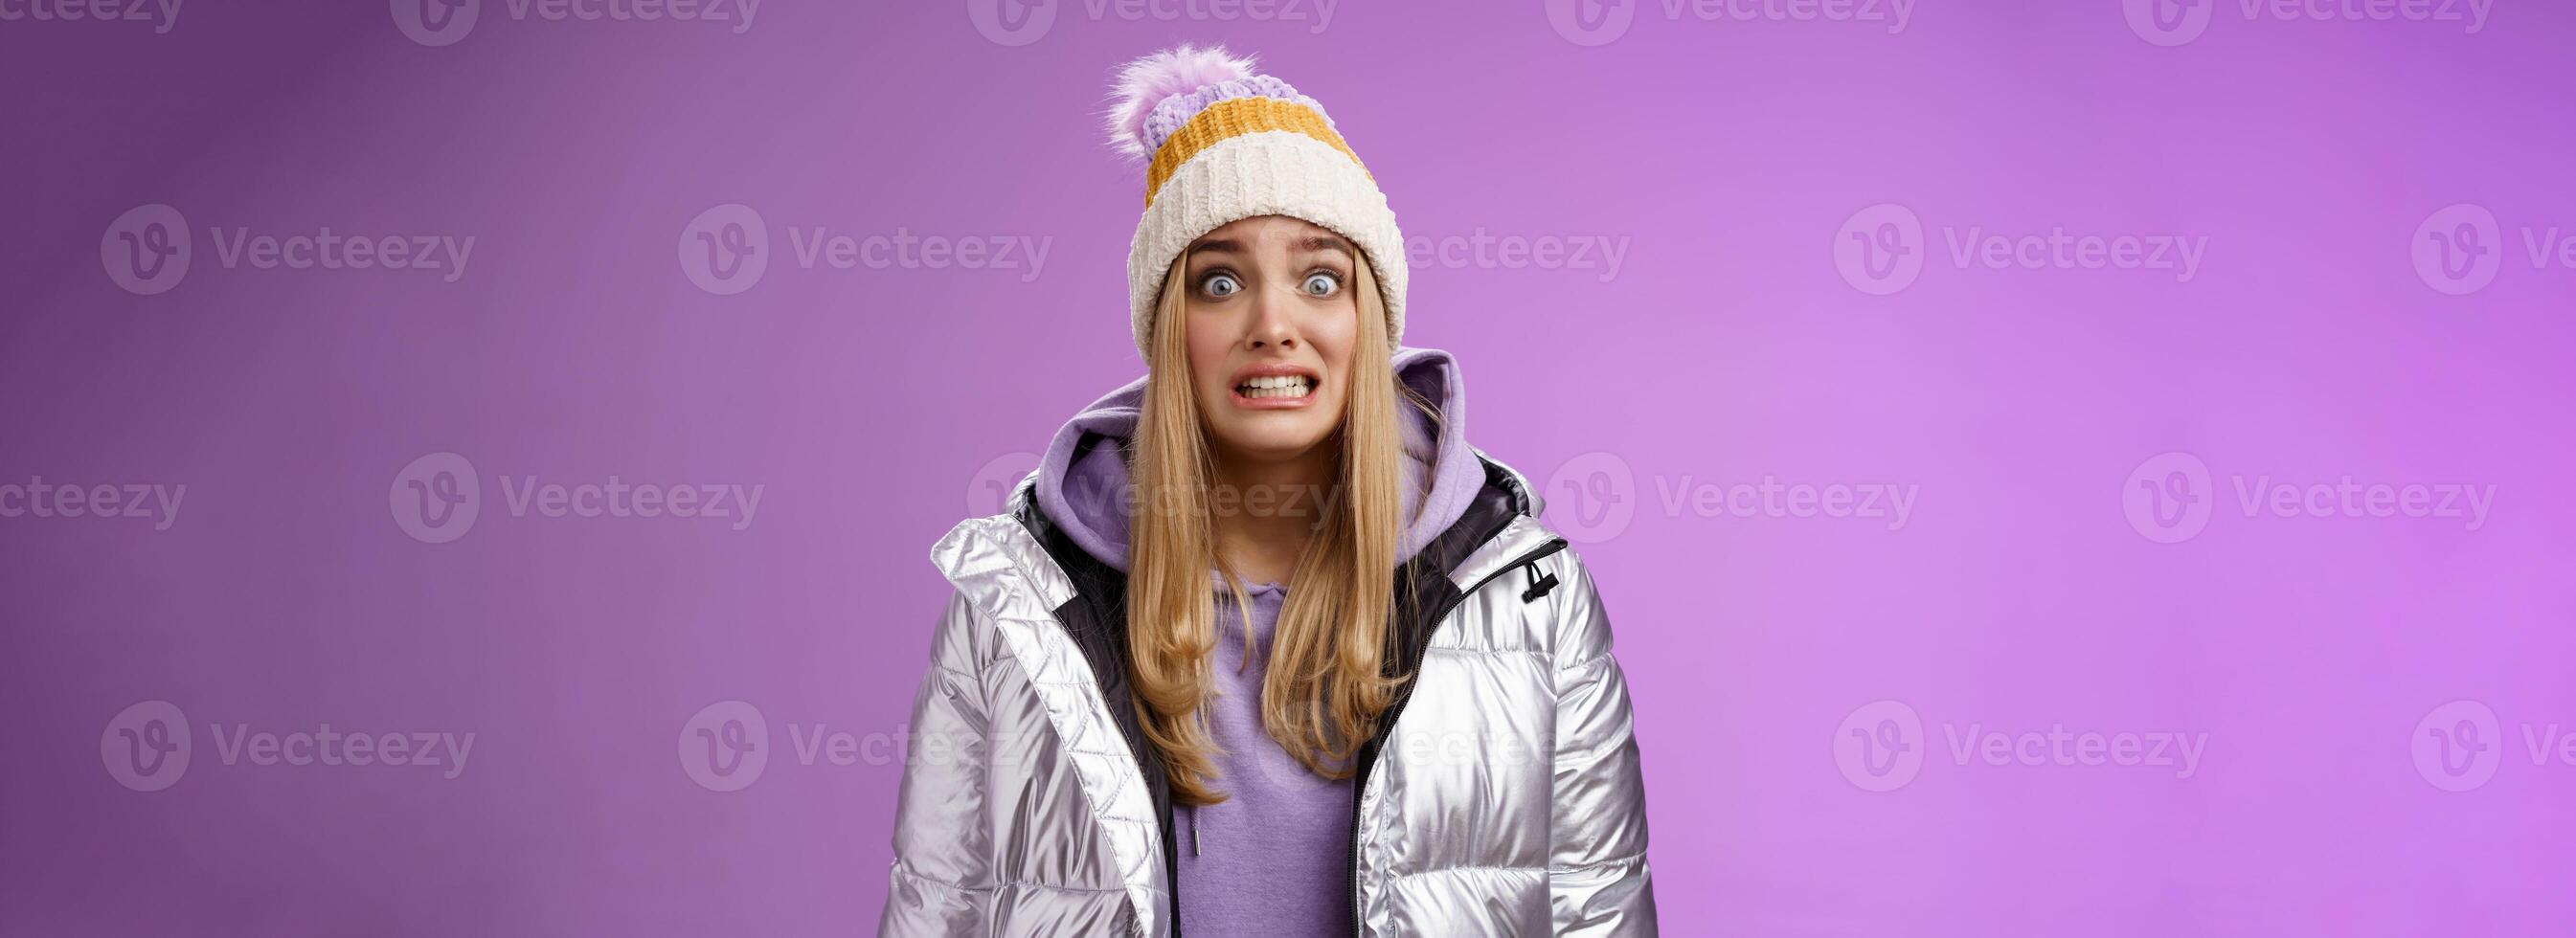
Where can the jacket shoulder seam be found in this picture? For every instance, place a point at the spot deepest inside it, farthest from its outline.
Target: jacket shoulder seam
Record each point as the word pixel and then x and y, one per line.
pixel 1497 651
pixel 904 870
pixel 1400 877
pixel 1634 859
pixel 1585 663
pixel 908 872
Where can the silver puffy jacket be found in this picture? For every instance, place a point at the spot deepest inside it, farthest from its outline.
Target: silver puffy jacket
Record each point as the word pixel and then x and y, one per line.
pixel 1501 795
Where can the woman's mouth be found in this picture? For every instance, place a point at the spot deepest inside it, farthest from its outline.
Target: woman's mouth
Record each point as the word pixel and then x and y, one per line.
pixel 1275 391
pixel 1276 386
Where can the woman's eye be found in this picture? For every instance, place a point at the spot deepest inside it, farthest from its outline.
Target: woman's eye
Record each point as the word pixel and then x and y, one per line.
pixel 1220 285
pixel 1321 283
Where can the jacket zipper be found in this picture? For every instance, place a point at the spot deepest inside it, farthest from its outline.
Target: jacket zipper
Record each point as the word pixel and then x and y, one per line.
pixel 1422 648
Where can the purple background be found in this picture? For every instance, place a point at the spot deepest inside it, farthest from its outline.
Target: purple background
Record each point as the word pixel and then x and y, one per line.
pixel 872 404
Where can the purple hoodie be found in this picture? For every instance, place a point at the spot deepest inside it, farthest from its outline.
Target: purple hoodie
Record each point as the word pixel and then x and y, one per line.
pixel 1271 858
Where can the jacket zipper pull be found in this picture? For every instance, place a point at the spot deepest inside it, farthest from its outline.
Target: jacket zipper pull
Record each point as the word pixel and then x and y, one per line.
pixel 1194 831
pixel 1537 587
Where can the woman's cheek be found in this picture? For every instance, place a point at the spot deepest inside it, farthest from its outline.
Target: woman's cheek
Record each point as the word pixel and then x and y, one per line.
pixel 1204 363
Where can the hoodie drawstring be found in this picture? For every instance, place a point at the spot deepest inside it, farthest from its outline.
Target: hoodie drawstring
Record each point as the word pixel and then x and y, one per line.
pixel 1537 587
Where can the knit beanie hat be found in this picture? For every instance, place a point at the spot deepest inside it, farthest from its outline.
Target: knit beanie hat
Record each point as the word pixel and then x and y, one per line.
pixel 1226 143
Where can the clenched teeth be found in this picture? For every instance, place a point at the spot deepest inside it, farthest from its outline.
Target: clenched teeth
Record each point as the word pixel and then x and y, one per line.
pixel 1277 386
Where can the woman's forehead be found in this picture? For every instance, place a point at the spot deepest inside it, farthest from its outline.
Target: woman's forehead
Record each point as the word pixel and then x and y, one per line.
pixel 1269 231
pixel 1268 228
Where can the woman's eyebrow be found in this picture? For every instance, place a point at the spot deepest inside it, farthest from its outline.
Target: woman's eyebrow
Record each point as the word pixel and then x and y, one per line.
pixel 1327 243
pixel 1309 244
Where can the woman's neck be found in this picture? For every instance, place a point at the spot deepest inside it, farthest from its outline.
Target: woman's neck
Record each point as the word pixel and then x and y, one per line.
pixel 1263 512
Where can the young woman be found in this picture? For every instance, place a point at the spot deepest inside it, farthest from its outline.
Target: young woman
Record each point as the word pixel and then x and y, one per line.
pixel 1264 647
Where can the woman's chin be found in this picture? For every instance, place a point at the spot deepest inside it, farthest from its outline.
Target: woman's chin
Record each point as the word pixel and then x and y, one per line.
pixel 1275 436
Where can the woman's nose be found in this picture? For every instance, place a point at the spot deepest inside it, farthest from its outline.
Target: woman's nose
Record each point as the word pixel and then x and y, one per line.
pixel 1274 321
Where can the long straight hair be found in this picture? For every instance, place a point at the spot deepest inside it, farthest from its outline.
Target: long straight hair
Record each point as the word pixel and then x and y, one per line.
pixel 1326 683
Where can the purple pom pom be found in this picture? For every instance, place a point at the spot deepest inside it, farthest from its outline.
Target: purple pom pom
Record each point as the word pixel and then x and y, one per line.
pixel 1147 81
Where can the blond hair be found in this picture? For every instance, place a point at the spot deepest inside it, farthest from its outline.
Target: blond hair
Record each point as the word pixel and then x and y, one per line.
pixel 1326 683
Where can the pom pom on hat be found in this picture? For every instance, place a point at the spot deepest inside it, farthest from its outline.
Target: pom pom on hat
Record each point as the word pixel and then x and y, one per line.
pixel 1148 81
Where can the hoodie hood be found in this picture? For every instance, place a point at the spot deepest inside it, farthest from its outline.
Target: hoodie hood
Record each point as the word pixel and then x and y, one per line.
pixel 1082 480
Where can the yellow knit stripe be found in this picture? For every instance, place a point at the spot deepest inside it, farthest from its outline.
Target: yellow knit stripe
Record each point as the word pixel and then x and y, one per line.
pixel 1235 117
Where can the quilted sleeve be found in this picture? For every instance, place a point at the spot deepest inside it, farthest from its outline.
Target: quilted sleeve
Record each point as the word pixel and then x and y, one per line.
pixel 1598 884
pixel 942 882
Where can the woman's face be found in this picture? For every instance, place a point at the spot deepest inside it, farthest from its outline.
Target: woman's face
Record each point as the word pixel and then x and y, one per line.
pixel 1271 325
